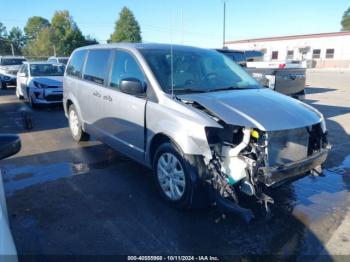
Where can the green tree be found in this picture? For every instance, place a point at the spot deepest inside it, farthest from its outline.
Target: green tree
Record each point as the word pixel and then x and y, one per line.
pixel 89 40
pixel 41 46
pixel 3 32
pixel 66 34
pixel 5 47
pixel 34 25
pixel 126 29
pixel 345 22
pixel 17 39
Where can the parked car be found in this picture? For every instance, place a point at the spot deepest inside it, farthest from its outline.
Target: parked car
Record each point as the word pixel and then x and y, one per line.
pixel 9 66
pixel 9 145
pixel 286 77
pixel 40 83
pixel 58 60
pixel 195 117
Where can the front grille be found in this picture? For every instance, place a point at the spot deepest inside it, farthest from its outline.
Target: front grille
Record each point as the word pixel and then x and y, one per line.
pixel 287 146
pixel 54 97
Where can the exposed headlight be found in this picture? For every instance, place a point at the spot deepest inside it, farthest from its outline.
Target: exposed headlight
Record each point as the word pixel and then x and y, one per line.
pixel 323 125
pixel 39 85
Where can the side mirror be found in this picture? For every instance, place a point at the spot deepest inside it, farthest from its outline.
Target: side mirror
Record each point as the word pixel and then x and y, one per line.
pixel 132 86
pixel 9 145
pixel 21 74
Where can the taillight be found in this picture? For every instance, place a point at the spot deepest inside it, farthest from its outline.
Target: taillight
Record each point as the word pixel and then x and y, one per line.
pixel 281 65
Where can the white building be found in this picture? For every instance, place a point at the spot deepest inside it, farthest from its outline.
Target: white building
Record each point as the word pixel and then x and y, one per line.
pixel 328 50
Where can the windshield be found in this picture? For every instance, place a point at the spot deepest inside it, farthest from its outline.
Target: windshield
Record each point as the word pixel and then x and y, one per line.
pixel 196 70
pixel 63 60
pixel 46 70
pixel 12 61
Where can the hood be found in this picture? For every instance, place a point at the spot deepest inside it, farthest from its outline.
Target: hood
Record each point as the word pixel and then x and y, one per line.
pixel 12 68
pixel 49 80
pixel 264 109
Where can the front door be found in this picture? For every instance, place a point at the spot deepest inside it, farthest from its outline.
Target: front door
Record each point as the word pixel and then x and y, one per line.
pixel 124 113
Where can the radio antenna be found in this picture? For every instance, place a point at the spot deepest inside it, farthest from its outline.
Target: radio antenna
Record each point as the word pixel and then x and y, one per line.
pixel 172 69
pixel 171 56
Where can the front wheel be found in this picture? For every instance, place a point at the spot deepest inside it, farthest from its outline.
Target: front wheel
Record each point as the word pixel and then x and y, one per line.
pixel 31 102
pixel 175 178
pixel 3 85
pixel 76 130
pixel 19 96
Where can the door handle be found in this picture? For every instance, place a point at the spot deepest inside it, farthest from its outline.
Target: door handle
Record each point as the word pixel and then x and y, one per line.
pixel 97 94
pixel 108 98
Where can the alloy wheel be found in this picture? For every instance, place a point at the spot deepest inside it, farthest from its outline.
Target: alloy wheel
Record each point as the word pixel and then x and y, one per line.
pixel 74 122
pixel 171 176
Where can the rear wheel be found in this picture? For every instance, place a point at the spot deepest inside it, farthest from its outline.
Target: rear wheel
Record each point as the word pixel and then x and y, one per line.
pixel 77 132
pixel 175 178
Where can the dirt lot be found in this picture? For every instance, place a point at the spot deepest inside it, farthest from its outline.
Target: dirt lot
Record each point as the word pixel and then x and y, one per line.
pixel 68 198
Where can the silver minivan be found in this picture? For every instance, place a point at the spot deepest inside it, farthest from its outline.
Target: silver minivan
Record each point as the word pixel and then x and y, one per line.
pixel 207 129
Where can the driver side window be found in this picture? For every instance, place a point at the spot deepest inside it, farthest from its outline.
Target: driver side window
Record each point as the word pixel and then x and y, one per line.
pixel 124 66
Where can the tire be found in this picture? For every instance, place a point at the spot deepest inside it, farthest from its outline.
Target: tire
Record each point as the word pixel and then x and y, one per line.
pixel 186 186
pixel 3 85
pixel 75 127
pixel 31 102
pixel 20 97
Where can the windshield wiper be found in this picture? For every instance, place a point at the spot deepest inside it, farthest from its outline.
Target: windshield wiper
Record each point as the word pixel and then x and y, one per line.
pixel 231 88
pixel 192 90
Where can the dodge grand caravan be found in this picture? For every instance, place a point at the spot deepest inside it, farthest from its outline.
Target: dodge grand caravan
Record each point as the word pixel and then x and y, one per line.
pixel 195 117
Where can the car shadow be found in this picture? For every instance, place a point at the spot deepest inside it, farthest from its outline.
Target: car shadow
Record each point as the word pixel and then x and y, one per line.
pixel 315 90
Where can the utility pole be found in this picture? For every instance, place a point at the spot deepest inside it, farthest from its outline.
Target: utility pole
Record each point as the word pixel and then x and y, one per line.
pixel 12 49
pixel 54 50
pixel 224 25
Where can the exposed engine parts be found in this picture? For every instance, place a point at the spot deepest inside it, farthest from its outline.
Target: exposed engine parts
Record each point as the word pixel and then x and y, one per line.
pixel 251 160
pixel 219 180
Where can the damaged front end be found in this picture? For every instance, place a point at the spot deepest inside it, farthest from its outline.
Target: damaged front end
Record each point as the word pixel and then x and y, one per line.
pixel 265 140
pixel 250 161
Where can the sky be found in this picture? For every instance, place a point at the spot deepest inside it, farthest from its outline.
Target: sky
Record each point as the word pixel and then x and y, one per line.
pixel 190 22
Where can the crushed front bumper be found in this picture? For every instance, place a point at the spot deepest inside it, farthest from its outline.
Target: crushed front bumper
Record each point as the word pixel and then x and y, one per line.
pixel 281 174
pixel 46 95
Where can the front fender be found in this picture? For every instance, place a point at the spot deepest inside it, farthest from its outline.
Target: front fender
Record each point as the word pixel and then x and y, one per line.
pixel 186 129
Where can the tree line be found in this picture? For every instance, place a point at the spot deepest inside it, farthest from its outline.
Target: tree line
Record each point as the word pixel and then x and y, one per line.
pixel 42 38
pixel 345 22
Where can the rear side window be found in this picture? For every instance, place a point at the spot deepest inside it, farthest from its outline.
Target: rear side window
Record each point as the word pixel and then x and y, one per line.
pixel 97 66
pixel 76 63
pixel 125 66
